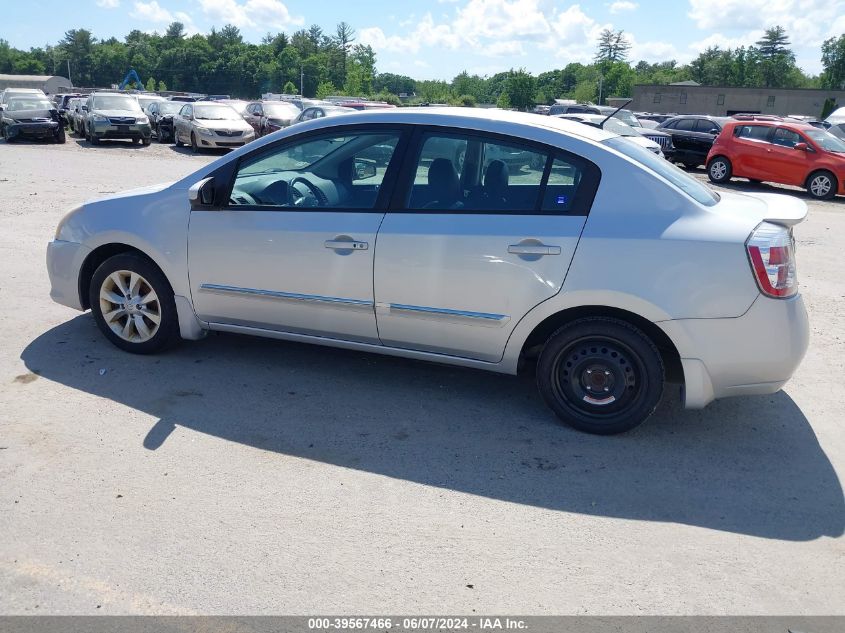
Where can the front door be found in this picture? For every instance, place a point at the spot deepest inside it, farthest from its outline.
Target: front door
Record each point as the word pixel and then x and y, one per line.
pixel 484 231
pixel 293 249
pixel 789 166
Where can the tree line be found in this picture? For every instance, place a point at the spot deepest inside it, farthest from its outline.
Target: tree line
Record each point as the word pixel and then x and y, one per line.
pixel 319 64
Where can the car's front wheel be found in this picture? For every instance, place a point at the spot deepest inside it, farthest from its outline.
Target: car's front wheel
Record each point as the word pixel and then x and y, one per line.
pixel 194 147
pixel 600 375
pixel 133 304
pixel 822 185
pixel 719 169
pixel 176 140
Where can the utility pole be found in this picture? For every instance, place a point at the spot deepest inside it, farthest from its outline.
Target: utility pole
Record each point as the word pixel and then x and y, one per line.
pixel 301 81
pixel 68 72
pixel 601 85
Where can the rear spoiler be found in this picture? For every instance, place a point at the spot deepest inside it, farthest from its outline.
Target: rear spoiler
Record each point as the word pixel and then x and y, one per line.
pixel 782 209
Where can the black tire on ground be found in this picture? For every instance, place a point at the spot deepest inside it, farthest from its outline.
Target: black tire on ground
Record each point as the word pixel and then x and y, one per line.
pixel 600 375
pixel 719 169
pixel 691 165
pixel 168 329
pixel 159 135
pixel 146 141
pixel 822 185
pixel 176 140
pixel 194 148
pixel 61 136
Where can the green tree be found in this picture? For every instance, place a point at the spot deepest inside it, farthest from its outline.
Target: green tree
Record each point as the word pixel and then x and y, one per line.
pixel 162 87
pixel 503 101
pixel 613 46
pixel 289 88
pixel 520 89
pixel 151 85
pixel 777 61
pixel 833 62
pixel 467 101
pixel 326 89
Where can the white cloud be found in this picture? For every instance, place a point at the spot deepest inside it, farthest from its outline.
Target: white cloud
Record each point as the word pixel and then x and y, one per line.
pixel 108 4
pixel 623 5
pixel 251 13
pixel 153 12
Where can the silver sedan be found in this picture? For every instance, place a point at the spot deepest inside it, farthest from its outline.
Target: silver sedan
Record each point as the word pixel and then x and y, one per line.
pixel 403 232
pixel 210 125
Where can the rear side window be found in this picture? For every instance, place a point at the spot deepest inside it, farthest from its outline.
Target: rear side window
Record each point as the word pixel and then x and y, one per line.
pixel 753 132
pixel 477 174
pixel 685 124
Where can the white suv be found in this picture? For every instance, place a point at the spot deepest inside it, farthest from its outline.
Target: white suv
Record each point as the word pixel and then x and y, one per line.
pixel 403 232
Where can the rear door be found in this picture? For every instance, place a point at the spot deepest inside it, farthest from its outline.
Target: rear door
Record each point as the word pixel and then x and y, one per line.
pixel 752 147
pixel 482 228
pixel 705 133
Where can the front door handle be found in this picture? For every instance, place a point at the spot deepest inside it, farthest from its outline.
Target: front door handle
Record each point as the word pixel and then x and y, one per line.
pixel 533 249
pixel 346 245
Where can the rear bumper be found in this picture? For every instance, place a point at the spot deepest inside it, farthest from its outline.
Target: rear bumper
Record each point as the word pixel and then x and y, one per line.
pixel 64 261
pixel 749 355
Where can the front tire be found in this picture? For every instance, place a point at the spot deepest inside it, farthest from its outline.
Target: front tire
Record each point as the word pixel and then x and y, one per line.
pixel 822 185
pixel 176 140
pixel 133 304
pixel 719 170
pixel 600 375
pixel 194 148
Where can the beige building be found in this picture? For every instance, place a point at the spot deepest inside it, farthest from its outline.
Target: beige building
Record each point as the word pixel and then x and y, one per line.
pixel 692 98
pixel 50 84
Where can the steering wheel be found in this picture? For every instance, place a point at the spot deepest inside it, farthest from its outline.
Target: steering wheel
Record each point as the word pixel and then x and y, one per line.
pixel 317 197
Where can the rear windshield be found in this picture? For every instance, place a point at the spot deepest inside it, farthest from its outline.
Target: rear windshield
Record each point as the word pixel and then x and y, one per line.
pixel 662 167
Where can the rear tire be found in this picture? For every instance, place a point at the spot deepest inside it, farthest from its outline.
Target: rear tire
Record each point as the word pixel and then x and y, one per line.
pixel 132 303
pixel 600 375
pixel 822 185
pixel 719 169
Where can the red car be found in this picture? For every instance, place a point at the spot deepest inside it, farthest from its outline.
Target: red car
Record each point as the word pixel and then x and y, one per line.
pixel 785 151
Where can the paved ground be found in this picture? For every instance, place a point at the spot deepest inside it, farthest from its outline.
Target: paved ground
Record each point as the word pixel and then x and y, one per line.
pixel 244 476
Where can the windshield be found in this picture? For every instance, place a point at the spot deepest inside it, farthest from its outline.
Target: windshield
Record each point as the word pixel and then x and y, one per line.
pixel 170 107
pixel 239 106
pixel 116 102
pixel 826 140
pixel 628 117
pixel 662 167
pixel 618 127
pixel 145 102
pixel 281 110
pixel 29 104
pixel 215 113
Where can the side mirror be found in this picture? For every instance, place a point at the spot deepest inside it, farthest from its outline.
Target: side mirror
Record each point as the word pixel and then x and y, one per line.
pixel 801 147
pixel 364 169
pixel 201 194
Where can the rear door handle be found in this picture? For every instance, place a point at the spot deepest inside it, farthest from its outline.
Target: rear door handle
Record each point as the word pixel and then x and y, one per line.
pixel 533 249
pixel 342 245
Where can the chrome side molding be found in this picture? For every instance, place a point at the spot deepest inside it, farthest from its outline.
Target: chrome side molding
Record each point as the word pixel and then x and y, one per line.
pixel 483 319
pixel 277 295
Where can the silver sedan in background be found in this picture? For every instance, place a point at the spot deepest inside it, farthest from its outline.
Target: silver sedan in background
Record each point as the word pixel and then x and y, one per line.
pixel 210 125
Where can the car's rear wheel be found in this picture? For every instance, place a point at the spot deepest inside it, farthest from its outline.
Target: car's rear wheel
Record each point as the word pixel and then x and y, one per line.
pixel 600 375
pixel 133 304
pixel 719 169
pixel 822 185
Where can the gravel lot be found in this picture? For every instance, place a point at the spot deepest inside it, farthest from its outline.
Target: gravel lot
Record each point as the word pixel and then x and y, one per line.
pixel 245 476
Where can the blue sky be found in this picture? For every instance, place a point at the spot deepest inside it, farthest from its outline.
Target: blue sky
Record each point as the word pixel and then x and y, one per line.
pixel 436 39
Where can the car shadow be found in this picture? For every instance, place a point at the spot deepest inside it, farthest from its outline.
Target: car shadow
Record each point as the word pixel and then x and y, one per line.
pixel 186 150
pixel 748 465
pixel 111 143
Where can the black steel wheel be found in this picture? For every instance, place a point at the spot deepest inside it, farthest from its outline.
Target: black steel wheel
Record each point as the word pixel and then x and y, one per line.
pixel 600 375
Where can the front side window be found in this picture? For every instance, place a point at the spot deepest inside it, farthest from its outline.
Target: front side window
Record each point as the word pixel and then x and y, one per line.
pixel 186 112
pixel 340 171
pixel 786 138
pixel 706 127
pixel 685 125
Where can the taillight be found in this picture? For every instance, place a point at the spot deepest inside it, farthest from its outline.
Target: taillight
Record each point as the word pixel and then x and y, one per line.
pixel 772 256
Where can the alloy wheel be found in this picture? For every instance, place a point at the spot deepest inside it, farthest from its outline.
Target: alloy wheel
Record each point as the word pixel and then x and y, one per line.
pixel 130 306
pixel 820 186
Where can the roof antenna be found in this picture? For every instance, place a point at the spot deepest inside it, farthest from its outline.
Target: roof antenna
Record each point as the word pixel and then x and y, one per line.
pixel 610 116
